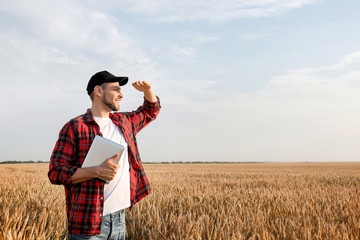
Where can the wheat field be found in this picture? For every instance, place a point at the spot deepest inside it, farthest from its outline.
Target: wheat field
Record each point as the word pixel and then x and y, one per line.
pixel 202 201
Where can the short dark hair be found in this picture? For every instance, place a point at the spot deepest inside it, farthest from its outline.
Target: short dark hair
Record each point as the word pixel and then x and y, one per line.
pixel 103 86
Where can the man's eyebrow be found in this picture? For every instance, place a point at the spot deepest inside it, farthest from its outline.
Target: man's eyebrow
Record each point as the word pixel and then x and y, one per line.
pixel 116 87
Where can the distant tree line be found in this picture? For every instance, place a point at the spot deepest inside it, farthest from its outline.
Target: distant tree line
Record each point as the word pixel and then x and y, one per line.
pixel 193 162
pixel 15 162
pixel 172 162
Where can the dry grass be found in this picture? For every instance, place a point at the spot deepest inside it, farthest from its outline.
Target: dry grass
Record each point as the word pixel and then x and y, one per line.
pixel 203 201
pixel 30 207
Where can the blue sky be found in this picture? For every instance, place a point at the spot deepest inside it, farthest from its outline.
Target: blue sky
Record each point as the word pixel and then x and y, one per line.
pixel 265 80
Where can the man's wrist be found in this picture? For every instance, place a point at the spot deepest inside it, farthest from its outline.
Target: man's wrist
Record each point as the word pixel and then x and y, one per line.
pixel 148 91
pixel 96 171
pixel 84 174
pixel 150 95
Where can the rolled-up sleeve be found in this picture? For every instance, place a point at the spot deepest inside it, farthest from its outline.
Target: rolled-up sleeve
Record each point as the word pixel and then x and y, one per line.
pixel 144 114
pixel 60 170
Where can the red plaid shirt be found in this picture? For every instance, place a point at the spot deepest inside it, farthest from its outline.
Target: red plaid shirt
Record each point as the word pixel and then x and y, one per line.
pixel 85 200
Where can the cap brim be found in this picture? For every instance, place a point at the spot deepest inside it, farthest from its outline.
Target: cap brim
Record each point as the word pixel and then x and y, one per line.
pixel 121 80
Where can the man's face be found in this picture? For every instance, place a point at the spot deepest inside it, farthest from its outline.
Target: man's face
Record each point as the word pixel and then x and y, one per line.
pixel 112 96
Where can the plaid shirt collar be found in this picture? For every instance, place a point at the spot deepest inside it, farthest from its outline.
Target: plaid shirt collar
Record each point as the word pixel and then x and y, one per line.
pixel 88 116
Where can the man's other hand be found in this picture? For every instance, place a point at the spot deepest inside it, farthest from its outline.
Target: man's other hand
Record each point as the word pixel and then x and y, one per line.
pixel 108 169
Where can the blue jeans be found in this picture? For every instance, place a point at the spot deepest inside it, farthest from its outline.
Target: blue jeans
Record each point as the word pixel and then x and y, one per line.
pixel 112 228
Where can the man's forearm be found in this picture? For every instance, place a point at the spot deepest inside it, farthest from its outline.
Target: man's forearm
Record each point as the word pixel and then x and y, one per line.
pixel 84 174
pixel 106 171
pixel 150 95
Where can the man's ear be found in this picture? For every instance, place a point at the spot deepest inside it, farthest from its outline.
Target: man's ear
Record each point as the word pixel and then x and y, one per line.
pixel 98 91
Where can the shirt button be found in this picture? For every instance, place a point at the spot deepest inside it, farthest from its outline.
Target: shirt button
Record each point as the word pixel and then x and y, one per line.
pixel 100 215
pixel 101 198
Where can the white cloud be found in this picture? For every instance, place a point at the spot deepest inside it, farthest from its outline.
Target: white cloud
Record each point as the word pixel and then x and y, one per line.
pixel 187 51
pixel 305 115
pixel 49 51
pixel 312 108
pixel 200 37
pixel 250 36
pixel 322 90
pixel 67 41
pixel 342 64
pixel 207 10
pixel 352 57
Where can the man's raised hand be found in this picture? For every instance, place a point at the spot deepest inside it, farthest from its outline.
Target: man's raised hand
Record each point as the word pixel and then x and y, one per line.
pixel 142 86
pixel 145 87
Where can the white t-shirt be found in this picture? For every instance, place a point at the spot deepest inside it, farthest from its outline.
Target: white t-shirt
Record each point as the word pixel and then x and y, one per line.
pixel 117 191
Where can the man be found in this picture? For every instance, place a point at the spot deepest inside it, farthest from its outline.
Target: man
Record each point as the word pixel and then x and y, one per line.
pixel 95 210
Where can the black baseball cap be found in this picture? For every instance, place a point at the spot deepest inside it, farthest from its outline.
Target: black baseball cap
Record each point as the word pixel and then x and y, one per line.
pixel 104 77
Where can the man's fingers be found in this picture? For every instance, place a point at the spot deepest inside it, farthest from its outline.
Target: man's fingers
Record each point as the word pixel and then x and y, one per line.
pixel 109 168
pixel 113 158
pixel 109 163
pixel 140 83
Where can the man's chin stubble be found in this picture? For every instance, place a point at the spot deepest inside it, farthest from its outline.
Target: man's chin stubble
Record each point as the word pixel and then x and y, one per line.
pixel 111 106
